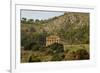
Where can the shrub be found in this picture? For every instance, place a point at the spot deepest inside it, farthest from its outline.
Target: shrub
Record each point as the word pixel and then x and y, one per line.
pixel 34 59
pixel 82 54
pixel 57 48
pixel 70 55
pixel 35 47
pixel 57 57
pixel 66 51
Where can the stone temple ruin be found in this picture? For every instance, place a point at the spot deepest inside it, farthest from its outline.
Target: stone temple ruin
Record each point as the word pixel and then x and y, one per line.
pixel 52 39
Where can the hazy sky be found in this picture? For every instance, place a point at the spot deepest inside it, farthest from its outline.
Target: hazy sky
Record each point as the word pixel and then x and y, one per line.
pixel 29 14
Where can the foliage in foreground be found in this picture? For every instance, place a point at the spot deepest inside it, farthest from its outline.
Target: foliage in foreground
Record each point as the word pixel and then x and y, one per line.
pixel 51 53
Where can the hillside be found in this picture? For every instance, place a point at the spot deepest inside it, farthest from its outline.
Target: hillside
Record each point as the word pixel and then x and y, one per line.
pixel 71 27
pixel 66 36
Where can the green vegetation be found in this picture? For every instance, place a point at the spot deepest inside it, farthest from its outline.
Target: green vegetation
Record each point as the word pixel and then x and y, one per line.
pixel 57 48
pixel 71 27
pixel 57 57
pixel 76 47
pixel 34 59
pixel 79 54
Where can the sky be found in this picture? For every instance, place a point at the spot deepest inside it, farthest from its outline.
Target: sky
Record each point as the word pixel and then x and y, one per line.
pixel 29 14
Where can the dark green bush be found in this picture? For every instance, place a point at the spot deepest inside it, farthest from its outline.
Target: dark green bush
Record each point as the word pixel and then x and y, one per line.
pixel 57 48
pixel 35 47
pixel 82 54
pixel 57 57
pixel 34 59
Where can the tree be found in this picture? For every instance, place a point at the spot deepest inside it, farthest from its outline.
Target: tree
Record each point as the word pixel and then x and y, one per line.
pixel 23 20
pixel 57 48
pixel 30 21
pixel 37 20
pixel 82 54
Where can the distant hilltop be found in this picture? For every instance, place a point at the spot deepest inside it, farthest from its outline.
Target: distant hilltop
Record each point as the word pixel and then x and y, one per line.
pixel 71 27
